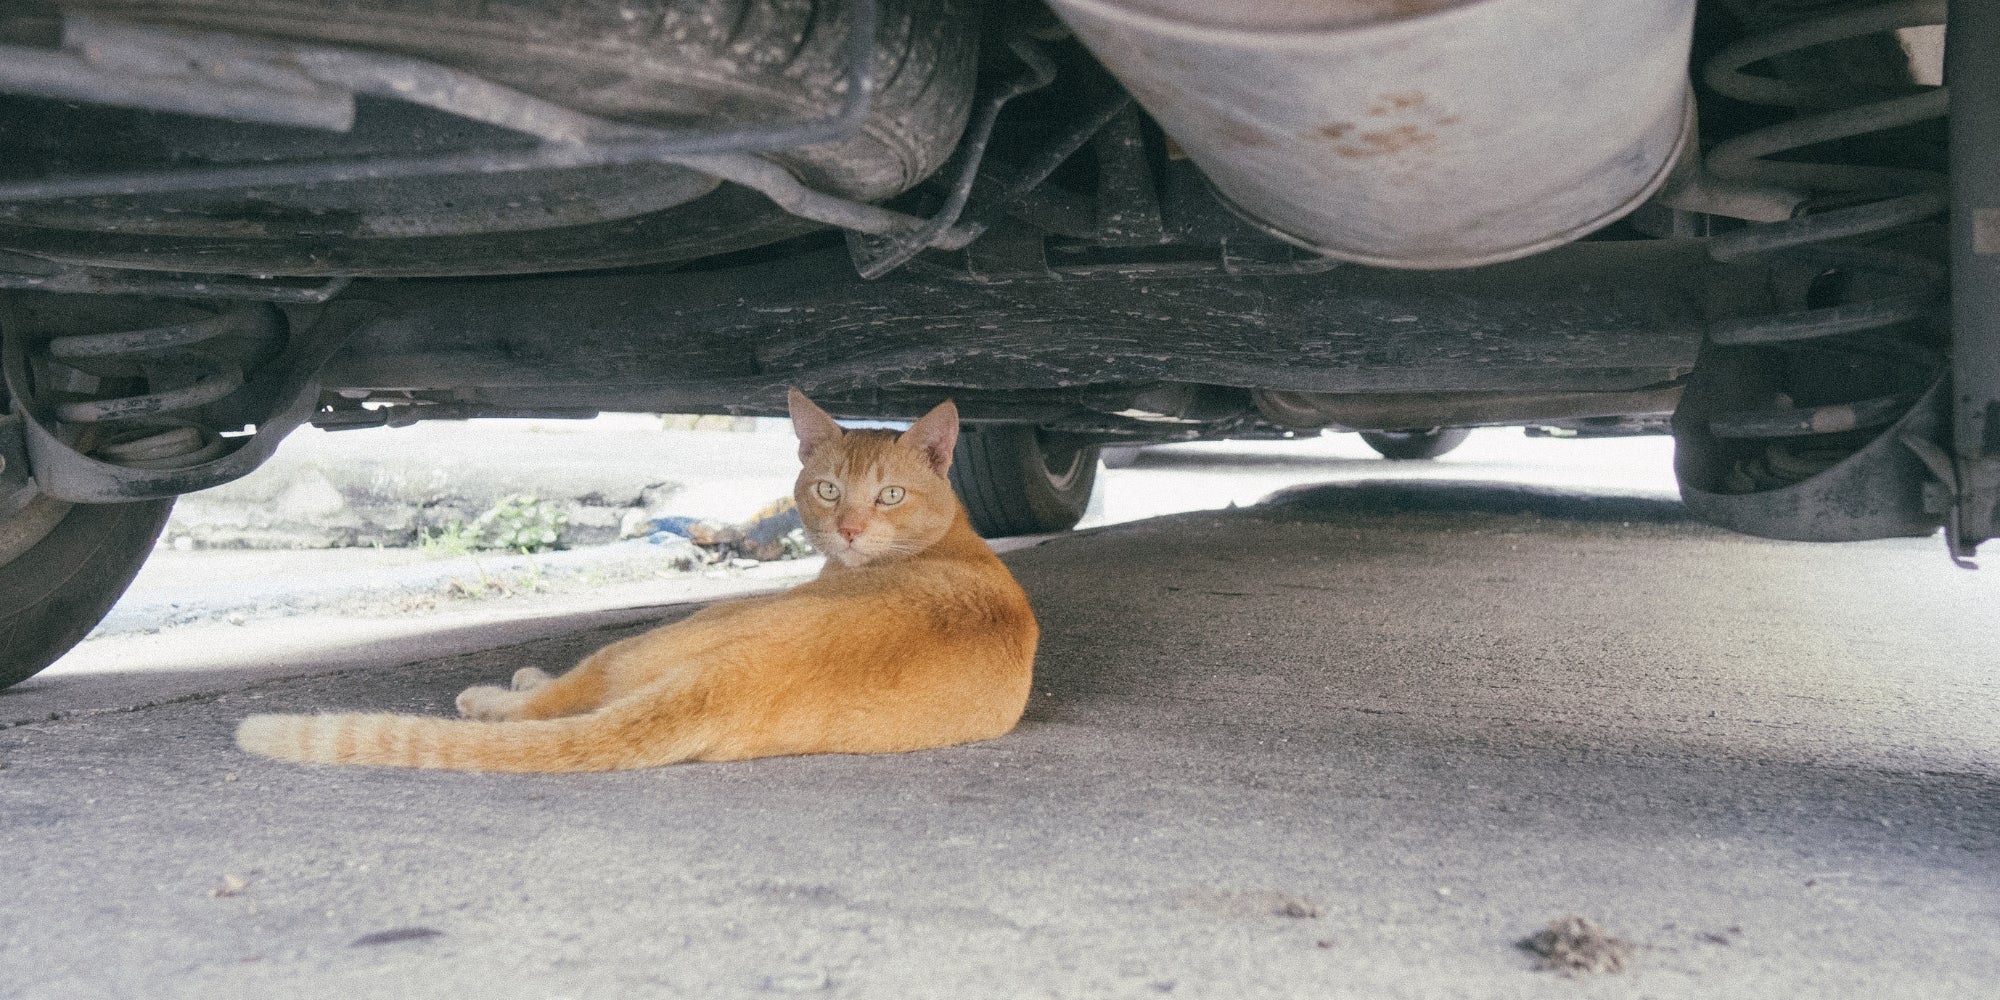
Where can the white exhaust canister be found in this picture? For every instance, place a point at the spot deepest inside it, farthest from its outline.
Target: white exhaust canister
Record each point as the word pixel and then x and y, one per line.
pixel 1411 133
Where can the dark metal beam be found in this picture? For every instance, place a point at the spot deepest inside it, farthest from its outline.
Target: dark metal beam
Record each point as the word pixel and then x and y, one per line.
pixel 1593 316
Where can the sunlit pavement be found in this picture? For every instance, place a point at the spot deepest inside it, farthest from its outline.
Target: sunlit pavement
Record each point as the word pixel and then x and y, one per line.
pixel 1323 747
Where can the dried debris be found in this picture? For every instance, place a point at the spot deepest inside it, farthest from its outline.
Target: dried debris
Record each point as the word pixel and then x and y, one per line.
pixel 1573 945
pixel 395 935
pixel 1724 938
pixel 231 885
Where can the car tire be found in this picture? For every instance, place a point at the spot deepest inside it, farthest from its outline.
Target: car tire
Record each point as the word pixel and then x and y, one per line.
pixel 1416 443
pixel 58 586
pixel 1018 480
pixel 1119 456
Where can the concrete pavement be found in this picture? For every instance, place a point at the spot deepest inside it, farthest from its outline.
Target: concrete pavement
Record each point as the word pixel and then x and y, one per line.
pixel 1312 748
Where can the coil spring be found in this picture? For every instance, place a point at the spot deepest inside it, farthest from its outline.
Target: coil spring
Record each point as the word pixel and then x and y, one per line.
pixel 1903 286
pixel 195 364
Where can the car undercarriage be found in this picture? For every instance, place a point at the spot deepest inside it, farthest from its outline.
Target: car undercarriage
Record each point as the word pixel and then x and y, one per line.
pixel 1767 226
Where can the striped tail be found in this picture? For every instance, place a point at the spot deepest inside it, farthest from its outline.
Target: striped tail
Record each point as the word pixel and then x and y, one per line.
pixel 606 740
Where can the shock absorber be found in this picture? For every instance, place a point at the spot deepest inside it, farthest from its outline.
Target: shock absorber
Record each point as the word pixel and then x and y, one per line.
pixel 185 367
pixel 1860 347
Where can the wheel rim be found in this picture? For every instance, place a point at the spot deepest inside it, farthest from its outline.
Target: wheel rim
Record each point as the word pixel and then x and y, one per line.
pixel 1062 459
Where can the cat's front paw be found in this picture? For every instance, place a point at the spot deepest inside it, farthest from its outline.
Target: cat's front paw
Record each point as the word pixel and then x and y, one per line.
pixel 487 703
pixel 530 678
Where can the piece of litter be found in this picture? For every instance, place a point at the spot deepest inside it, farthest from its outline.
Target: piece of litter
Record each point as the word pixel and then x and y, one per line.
pixel 1572 945
pixel 231 885
pixel 231 776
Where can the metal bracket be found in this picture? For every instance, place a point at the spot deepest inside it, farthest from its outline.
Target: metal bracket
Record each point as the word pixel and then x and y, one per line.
pixel 1128 204
pixel 1946 471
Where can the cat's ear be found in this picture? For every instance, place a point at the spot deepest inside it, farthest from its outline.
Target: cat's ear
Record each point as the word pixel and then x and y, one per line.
pixel 814 426
pixel 936 434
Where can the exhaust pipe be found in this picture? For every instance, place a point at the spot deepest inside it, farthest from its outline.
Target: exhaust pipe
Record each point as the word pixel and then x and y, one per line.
pixel 1411 133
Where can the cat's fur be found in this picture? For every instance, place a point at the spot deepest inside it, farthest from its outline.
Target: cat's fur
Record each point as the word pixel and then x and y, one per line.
pixel 913 636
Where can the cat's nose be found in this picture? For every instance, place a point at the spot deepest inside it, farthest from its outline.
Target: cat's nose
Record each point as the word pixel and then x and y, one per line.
pixel 851 531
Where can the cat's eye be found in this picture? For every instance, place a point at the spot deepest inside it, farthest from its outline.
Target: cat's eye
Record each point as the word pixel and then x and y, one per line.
pixel 827 491
pixel 890 496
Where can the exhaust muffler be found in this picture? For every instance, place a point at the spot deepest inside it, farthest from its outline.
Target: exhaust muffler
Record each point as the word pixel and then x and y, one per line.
pixel 1411 133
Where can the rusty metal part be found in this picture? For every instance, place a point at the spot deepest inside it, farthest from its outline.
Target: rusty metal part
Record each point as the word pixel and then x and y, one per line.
pixel 1411 135
pixel 1373 411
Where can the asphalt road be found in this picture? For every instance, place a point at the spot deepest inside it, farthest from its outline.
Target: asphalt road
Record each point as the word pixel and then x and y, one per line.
pixel 1357 741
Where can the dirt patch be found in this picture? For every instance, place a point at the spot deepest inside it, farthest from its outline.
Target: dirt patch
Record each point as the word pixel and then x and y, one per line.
pixel 1574 945
pixel 1254 904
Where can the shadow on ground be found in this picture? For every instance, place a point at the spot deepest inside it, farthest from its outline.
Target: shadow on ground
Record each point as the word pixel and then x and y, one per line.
pixel 1331 500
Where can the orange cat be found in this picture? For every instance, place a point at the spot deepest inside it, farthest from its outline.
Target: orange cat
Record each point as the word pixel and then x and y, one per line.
pixel 913 636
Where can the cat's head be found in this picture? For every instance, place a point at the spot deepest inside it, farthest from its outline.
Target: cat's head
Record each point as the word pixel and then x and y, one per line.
pixel 868 495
